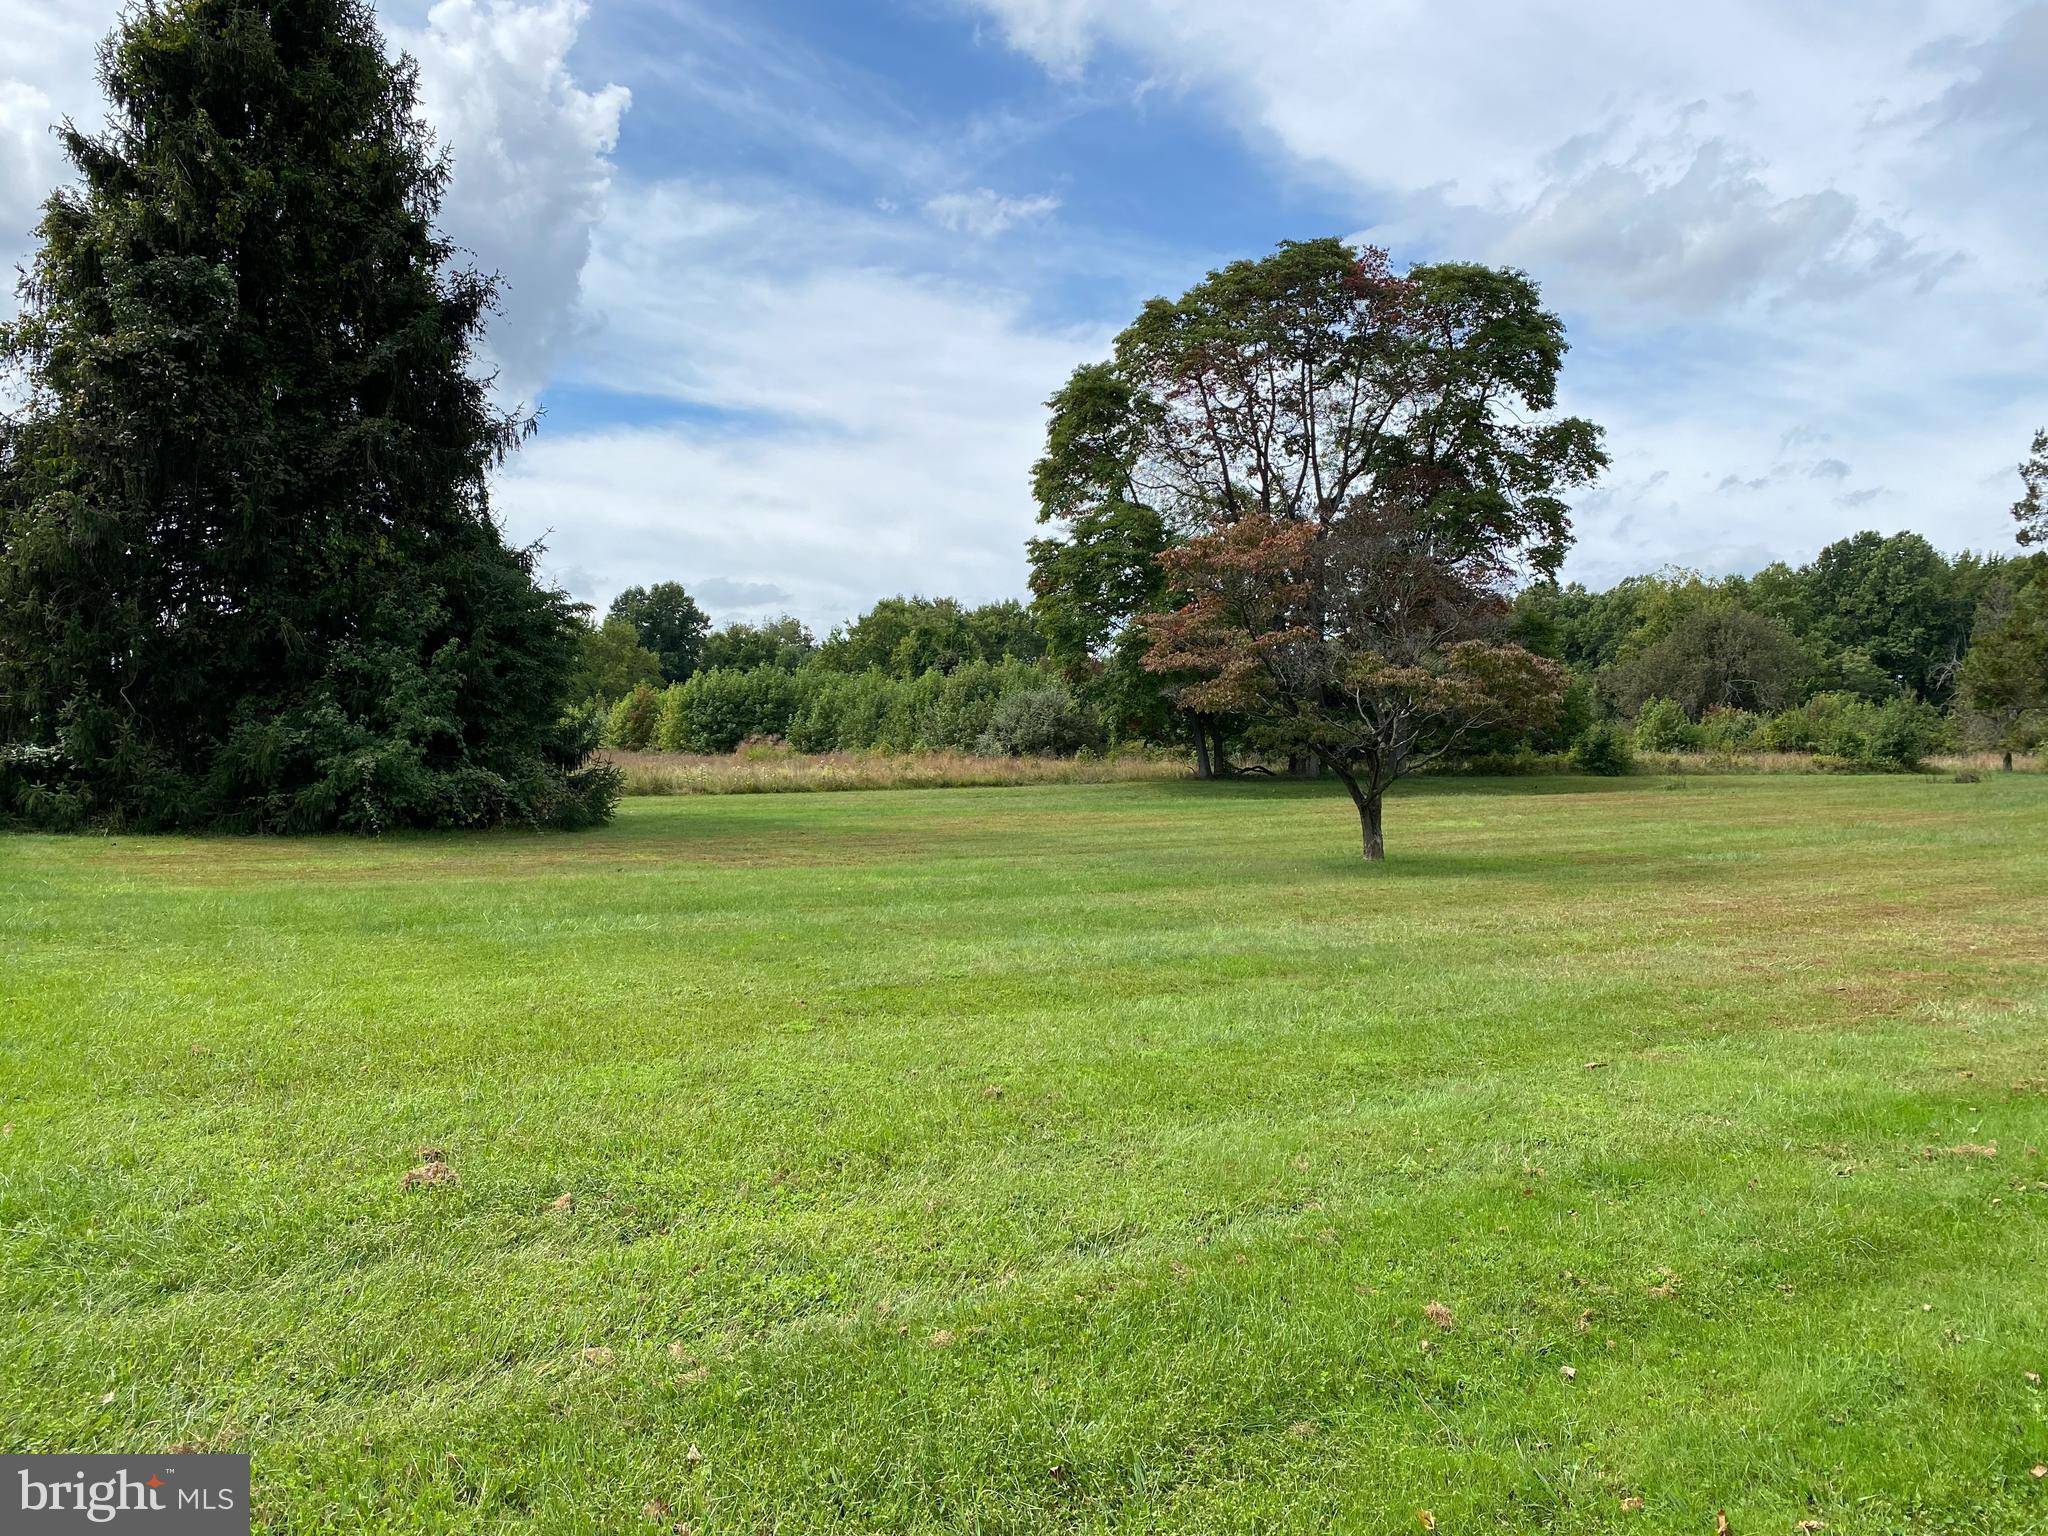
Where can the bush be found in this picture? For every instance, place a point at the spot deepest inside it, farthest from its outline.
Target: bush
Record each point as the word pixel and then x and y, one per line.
pixel 630 725
pixel 714 711
pixel 1040 722
pixel 1905 732
pixel 1603 749
pixel 1846 731
pixel 1664 726
pixel 1730 730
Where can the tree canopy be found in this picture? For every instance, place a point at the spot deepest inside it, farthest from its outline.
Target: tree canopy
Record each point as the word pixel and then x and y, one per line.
pixel 251 577
pixel 668 622
pixel 2004 679
pixel 1350 470
pixel 904 636
pixel 2031 510
pixel 1717 657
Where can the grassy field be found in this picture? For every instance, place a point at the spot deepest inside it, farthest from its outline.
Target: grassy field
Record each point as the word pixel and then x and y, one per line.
pixel 1122 1157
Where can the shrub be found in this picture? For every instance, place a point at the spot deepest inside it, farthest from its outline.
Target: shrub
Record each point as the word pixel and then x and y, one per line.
pixel 630 726
pixel 1603 748
pixel 1040 722
pixel 1730 730
pixel 1663 726
pixel 1845 731
pixel 1906 730
pixel 1789 730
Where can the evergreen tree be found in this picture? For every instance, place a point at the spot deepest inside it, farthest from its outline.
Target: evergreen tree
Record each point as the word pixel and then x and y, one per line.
pixel 249 577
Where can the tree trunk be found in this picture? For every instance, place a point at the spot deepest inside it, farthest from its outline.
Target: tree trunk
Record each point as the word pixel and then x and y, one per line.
pixel 1223 768
pixel 1375 839
pixel 1367 798
pixel 1202 770
pixel 2008 759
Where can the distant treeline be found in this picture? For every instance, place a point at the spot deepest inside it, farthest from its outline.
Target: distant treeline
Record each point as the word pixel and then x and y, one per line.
pixel 1863 654
pixel 1860 655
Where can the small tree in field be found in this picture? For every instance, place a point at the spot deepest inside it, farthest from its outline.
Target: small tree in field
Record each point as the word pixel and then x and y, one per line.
pixel 1362 641
pixel 1355 468
pixel 2004 678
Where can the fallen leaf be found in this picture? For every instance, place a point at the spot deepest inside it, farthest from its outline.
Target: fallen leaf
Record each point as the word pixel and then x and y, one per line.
pixel 1974 1149
pixel 1666 1288
pixel 692 1456
pixel 941 1337
pixel 1439 1314
pixel 2039 1470
pixel 432 1171
pixel 654 1509
pixel 596 1354
pixel 563 1203
pixel 1720 1522
pixel 2033 1378
pixel 106 1400
pixel 1631 1504
pixel 1809 1526
pixel 1593 1066
pixel 1568 1372
pixel 992 1091
pixel 1302 1429
pixel 1427 1520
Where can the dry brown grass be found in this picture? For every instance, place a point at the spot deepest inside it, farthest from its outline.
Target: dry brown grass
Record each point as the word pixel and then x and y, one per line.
pixel 1810 762
pixel 748 773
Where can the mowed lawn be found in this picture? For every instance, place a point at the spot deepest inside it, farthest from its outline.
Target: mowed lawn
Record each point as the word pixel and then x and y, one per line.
pixel 1117 1157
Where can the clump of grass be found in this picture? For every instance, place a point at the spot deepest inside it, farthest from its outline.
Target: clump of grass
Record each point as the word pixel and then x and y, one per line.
pixel 753 771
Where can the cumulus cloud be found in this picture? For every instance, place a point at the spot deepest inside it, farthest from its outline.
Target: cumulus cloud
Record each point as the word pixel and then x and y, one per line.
pixel 847 423
pixel 46 73
pixel 1766 226
pixel 985 213
pixel 1693 158
pixel 530 147
pixel 532 169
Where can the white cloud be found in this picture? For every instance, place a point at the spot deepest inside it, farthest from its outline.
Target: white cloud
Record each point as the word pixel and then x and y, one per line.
pixel 1758 219
pixel 845 425
pixel 532 170
pixel 530 146
pixel 46 72
pixel 984 213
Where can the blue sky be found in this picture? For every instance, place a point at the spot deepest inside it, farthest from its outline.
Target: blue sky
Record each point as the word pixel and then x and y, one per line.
pixel 792 279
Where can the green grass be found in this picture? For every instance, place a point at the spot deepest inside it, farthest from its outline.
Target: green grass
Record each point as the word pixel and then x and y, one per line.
pixel 1056 1158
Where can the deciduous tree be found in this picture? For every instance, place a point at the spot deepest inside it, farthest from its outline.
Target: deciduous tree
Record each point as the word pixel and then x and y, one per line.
pixel 1351 470
pixel 1366 639
pixel 668 622
pixel 2004 679
pixel 1717 657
